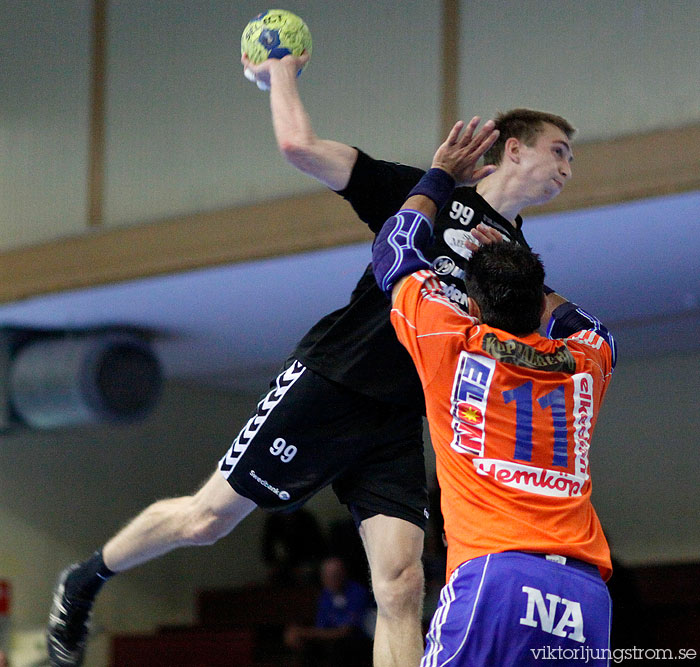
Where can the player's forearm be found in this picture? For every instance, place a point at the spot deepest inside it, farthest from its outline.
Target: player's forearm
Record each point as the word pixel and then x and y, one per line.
pixel 398 249
pixel 569 318
pixel 427 207
pixel 290 120
pixel 422 204
pixel 330 162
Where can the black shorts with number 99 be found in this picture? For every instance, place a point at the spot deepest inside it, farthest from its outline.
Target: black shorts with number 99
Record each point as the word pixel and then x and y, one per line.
pixel 308 432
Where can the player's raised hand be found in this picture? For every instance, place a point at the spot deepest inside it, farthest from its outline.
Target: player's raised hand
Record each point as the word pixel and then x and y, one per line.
pixel 459 154
pixel 483 235
pixel 260 74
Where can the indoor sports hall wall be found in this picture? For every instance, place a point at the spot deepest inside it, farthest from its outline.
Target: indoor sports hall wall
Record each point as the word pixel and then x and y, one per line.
pixel 184 131
pixel 612 68
pixel 63 493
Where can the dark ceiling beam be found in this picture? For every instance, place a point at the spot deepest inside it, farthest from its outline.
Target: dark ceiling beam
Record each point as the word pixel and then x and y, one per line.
pixel 96 136
pixel 449 63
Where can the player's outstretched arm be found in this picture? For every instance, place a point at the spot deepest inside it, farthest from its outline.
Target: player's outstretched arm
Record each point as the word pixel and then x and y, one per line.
pixel 329 162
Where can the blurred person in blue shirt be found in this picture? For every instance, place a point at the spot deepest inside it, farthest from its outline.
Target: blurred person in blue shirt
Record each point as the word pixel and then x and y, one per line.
pixel 338 636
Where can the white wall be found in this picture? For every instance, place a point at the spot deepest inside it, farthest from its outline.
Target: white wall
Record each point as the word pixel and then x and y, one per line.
pixel 185 131
pixel 45 51
pixel 612 67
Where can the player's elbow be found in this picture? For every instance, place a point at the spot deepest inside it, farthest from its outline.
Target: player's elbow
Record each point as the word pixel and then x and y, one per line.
pixel 297 150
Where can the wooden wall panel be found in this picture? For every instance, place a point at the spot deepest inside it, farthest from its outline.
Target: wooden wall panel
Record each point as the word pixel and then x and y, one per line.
pixel 629 168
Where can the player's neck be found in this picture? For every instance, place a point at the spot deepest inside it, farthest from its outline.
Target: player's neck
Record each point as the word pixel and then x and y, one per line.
pixel 502 195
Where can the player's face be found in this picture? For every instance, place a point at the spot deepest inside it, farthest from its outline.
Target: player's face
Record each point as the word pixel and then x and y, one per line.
pixel 546 165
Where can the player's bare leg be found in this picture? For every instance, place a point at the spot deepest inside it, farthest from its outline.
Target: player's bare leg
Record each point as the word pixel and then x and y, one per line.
pixel 199 519
pixel 394 548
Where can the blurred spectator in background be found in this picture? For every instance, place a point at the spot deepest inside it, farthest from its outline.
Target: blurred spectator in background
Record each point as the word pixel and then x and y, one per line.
pixel 339 638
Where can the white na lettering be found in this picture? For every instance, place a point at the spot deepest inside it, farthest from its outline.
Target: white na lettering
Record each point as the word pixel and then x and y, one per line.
pixel 571 618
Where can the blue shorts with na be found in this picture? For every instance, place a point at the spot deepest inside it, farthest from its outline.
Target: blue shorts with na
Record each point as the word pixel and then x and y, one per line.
pixel 522 609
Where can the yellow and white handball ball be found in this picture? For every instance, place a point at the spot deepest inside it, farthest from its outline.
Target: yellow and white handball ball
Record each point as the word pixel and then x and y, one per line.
pixel 274 34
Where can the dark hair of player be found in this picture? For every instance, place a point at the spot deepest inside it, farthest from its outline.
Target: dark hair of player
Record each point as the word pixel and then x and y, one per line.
pixel 506 280
pixel 525 125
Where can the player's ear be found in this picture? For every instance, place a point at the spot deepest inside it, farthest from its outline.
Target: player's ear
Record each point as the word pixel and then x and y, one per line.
pixel 511 149
pixel 473 309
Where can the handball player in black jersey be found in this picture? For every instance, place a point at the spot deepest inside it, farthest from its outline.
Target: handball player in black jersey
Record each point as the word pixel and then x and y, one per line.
pixel 347 407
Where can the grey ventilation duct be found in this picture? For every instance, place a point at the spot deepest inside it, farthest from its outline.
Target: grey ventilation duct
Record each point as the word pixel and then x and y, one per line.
pixel 83 379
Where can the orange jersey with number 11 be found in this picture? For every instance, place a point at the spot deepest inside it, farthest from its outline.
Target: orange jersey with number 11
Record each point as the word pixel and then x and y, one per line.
pixel 511 420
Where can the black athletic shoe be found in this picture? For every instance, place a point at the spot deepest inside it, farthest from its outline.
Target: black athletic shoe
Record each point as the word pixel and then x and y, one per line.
pixel 69 622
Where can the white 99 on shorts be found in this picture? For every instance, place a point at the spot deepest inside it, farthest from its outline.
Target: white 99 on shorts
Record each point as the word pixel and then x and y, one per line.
pixel 283 450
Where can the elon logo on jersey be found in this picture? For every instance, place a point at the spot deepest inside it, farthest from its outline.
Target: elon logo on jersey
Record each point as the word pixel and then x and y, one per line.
pixel 471 387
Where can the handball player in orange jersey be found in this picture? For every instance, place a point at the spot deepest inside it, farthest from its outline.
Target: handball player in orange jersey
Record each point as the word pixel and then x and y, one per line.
pixel 511 416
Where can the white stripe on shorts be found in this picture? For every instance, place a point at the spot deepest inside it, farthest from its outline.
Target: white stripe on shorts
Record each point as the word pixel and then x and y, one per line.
pixel 434 638
pixel 282 385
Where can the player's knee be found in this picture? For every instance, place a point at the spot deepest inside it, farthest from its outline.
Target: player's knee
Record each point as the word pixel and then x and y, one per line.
pixel 400 591
pixel 204 525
